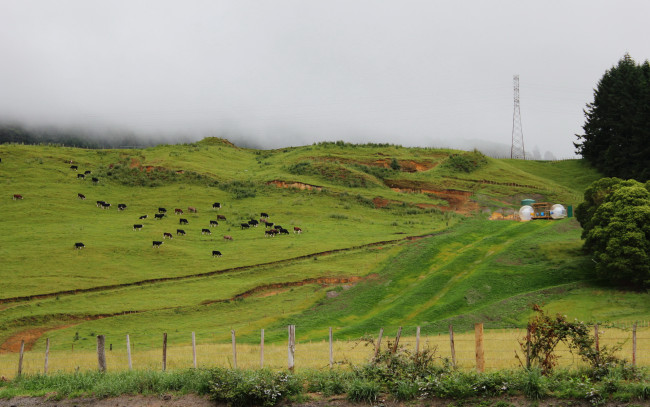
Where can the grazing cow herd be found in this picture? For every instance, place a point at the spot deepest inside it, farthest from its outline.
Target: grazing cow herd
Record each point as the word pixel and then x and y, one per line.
pixel 271 229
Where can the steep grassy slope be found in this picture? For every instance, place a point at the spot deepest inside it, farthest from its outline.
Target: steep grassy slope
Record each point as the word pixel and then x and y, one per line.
pixel 354 267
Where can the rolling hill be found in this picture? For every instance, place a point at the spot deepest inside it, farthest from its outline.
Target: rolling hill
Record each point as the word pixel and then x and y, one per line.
pixel 391 236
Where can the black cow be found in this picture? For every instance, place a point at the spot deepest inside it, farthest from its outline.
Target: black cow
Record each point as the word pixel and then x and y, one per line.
pixel 167 235
pixel 264 215
pixel 73 167
pixel 137 227
pixel 268 233
pixel 284 231
pixel 95 180
pixel 143 217
pixel 214 223
pixel 221 217
pixel 245 225
pixel 159 215
pixel 79 245
pixel 100 203
pixel 87 172
pixel 216 253
pixel 216 205
pixel 81 196
pixel 278 227
pixel 156 244
pixel 121 207
pixel 269 224
pixel 81 176
pixel 162 210
pixel 253 223
pixel 106 205
pixel 206 232
pixel 180 232
pixel 183 221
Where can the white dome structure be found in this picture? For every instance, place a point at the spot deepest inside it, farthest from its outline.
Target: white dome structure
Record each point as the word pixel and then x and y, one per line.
pixel 558 211
pixel 526 213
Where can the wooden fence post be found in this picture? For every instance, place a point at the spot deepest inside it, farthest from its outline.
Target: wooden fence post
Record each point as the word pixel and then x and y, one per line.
pixel 331 350
pixel 164 355
pixel 128 351
pixel 480 360
pixel 20 358
pixel 399 334
pixel 47 355
pixel 194 349
pixel 417 341
pixel 101 353
pixel 234 349
pixel 528 346
pixel 451 343
pixel 262 349
pixel 597 345
pixel 634 344
pixel 292 346
pixel 378 346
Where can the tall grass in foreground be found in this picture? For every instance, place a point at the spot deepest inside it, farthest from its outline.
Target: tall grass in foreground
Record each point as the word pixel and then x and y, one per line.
pixel 500 347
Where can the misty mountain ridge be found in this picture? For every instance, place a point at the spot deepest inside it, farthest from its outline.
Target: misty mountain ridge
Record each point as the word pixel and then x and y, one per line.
pixel 123 139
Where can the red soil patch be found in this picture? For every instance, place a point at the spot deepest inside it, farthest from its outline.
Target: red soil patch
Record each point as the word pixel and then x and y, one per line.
pixel 30 336
pixel 298 185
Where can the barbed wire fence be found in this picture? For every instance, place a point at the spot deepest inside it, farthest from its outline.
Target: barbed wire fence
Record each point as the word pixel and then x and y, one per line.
pixel 488 350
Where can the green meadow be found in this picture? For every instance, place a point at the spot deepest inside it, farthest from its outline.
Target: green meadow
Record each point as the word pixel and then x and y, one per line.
pixel 392 236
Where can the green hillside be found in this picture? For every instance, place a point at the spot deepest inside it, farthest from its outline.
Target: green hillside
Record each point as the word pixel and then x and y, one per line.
pixel 391 236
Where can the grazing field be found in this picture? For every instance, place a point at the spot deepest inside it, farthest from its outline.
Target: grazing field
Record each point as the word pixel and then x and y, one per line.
pixel 391 236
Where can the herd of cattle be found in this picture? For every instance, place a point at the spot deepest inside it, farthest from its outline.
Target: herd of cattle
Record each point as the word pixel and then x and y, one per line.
pixel 270 229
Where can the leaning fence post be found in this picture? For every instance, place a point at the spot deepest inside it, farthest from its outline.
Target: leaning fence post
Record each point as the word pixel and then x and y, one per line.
pixel 194 348
pixel 634 344
pixel 417 341
pixel 480 360
pixel 378 347
pixel 262 349
pixel 128 351
pixel 101 353
pixel 234 349
pixel 399 333
pixel 47 354
pixel 20 358
pixel 451 343
pixel 292 346
pixel 164 355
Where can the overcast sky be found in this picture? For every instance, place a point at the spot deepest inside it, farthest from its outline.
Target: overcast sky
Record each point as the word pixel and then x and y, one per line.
pixel 286 73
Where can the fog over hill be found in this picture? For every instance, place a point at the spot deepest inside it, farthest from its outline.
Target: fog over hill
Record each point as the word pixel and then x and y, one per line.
pixel 289 72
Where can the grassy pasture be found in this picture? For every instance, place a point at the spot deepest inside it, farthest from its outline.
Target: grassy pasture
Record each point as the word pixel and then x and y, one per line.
pixel 466 270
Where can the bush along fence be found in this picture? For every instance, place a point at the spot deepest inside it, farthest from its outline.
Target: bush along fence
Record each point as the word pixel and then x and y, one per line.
pixel 479 350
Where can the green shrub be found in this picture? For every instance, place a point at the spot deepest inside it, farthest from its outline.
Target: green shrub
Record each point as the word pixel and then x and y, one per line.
pixel 466 162
pixel 239 388
pixel 360 390
pixel 240 189
pixel 534 385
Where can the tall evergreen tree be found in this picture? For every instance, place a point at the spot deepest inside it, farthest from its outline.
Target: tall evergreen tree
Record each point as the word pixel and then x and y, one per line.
pixel 616 137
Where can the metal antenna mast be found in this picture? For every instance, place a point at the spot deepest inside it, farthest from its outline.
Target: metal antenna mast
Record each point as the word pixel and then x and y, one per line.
pixel 517 149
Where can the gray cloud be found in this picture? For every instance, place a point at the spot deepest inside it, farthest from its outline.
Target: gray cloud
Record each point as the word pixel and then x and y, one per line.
pixel 292 72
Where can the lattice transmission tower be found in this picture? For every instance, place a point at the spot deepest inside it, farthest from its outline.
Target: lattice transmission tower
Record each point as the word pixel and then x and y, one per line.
pixel 517 148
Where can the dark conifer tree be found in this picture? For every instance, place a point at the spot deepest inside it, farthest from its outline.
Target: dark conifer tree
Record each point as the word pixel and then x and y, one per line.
pixel 616 137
